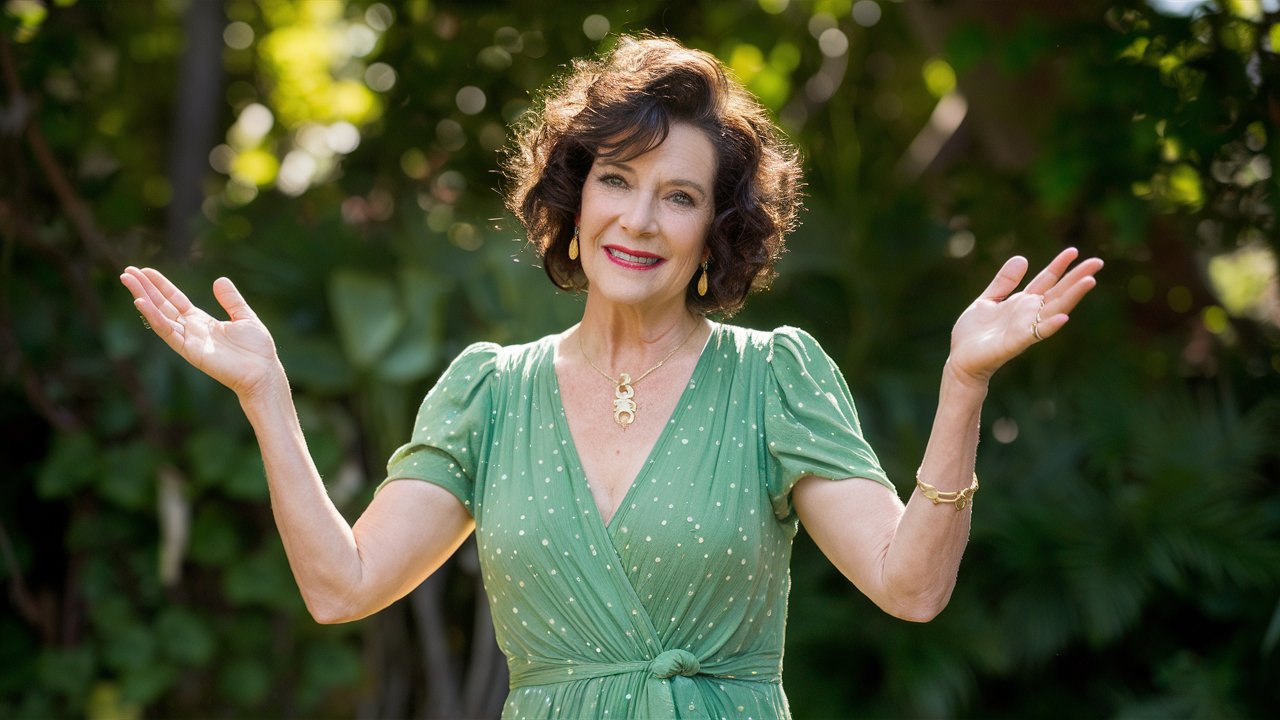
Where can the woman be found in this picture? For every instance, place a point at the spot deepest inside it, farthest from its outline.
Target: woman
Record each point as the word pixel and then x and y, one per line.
pixel 635 482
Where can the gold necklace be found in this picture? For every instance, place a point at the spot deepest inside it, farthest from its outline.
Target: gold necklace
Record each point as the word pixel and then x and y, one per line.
pixel 624 404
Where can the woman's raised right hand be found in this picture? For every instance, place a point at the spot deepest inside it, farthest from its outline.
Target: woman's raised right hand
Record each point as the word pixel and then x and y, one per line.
pixel 238 353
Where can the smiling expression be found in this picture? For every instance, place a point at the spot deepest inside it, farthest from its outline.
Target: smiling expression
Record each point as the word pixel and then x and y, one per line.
pixel 644 220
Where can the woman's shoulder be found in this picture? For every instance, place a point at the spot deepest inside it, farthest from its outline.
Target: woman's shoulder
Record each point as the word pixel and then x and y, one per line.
pixel 748 342
pixel 498 359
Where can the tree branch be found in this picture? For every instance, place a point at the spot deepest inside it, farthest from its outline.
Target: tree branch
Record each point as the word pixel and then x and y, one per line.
pixel 72 205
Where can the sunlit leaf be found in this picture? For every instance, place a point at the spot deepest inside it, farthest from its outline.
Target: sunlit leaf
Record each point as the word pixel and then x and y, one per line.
pixel 255 167
pixel 939 78
pixel 107 702
pixel 30 14
pixel 1185 187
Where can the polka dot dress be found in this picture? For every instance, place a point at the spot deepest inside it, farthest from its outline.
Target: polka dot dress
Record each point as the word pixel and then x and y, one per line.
pixel 677 608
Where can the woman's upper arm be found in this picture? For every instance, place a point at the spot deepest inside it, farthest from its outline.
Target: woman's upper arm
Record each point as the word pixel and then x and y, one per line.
pixel 408 531
pixel 852 521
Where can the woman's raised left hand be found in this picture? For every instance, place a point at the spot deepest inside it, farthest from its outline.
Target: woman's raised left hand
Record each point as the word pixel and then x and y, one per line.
pixel 1002 323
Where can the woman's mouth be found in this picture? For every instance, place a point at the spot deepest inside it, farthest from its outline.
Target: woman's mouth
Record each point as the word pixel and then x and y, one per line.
pixel 634 259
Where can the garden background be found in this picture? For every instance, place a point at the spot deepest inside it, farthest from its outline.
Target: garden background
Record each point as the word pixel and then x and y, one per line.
pixel 338 159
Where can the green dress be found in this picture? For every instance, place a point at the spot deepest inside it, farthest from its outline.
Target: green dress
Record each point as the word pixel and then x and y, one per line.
pixel 676 609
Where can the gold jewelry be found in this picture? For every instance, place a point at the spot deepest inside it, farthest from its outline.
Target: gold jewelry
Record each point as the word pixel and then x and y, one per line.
pixel 145 324
pixel 624 404
pixel 702 281
pixel 573 244
pixel 1035 326
pixel 961 498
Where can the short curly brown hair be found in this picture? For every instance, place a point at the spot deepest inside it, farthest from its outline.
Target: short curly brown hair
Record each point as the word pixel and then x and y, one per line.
pixel 620 106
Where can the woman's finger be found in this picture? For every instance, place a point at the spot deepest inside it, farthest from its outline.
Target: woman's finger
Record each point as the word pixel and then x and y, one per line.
pixel 1086 267
pixel 1052 272
pixel 145 288
pixel 174 298
pixel 153 293
pixel 1064 296
pixel 167 329
pixel 1049 326
pixel 231 300
pixel 1006 281
pixel 142 288
pixel 1066 299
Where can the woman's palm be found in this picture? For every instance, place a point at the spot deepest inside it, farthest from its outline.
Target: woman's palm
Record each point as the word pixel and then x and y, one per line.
pixel 238 353
pixel 1001 324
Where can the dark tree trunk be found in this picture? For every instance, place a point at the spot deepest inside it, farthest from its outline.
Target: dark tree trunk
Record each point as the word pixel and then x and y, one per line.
pixel 195 119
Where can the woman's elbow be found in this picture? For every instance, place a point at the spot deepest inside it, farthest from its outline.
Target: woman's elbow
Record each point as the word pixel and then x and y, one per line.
pixel 917 612
pixel 918 608
pixel 331 611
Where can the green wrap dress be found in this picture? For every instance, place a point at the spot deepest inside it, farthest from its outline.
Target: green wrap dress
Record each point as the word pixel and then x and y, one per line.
pixel 677 608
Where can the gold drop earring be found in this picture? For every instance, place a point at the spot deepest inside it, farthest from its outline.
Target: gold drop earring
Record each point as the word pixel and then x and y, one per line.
pixel 573 244
pixel 702 281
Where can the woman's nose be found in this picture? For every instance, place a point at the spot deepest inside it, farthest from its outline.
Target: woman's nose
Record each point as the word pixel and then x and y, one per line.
pixel 639 218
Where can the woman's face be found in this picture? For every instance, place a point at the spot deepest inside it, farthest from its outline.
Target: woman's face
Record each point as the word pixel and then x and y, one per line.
pixel 644 221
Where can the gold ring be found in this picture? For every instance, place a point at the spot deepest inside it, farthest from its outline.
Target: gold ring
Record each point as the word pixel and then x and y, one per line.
pixel 1035 329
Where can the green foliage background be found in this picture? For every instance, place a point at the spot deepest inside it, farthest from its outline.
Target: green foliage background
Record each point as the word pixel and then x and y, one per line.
pixel 1125 558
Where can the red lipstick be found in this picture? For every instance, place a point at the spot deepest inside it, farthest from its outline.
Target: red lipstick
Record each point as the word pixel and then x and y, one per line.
pixel 632 259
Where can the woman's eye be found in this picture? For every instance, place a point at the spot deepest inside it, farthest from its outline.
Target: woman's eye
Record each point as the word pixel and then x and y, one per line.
pixel 682 198
pixel 613 181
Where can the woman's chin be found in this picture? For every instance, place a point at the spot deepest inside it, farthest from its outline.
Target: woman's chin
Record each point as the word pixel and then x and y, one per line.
pixel 635 295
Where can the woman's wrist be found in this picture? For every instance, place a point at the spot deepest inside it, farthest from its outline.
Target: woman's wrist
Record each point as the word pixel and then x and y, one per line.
pixel 964 382
pixel 265 392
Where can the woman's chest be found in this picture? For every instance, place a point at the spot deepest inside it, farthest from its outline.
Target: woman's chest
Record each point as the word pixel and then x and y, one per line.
pixel 689 474
pixel 612 455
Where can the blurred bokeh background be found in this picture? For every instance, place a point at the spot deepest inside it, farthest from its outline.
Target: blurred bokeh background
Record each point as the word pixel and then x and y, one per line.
pixel 338 159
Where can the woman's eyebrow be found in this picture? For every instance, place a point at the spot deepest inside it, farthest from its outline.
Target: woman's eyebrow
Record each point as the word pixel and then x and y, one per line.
pixel 615 164
pixel 692 185
pixel 678 182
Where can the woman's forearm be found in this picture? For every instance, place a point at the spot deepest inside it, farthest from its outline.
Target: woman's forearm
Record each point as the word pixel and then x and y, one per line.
pixel 923 558
pixel 318 541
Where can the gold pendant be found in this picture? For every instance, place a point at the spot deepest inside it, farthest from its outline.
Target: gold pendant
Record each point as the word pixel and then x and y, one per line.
pixel 624 408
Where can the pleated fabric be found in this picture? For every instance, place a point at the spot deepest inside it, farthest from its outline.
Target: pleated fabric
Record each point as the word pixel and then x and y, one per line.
pixel 677 608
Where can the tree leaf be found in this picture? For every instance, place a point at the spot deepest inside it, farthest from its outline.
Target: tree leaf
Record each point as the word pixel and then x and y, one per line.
pixel 185 637
pixel 366 314
pixel 417 349
pixel 72 464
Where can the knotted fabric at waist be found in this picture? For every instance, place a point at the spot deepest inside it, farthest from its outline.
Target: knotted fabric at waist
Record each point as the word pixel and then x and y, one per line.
pixel 668 664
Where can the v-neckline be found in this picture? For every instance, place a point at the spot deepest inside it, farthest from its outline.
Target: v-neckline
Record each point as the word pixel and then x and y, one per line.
pixel 658 444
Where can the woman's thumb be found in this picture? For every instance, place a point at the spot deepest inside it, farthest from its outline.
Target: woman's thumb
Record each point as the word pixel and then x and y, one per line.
pixel 231 300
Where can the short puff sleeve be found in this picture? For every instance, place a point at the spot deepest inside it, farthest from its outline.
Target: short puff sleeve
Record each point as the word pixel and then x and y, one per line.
pixel 811 426
pixel 450 430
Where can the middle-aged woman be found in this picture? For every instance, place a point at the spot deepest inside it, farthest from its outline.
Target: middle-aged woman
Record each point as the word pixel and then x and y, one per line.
pixel 635 481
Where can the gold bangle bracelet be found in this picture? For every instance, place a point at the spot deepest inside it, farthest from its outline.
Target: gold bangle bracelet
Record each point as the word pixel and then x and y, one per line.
pixel 961 498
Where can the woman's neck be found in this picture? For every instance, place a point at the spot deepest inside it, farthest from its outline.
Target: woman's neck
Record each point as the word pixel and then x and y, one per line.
pixel 622 338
